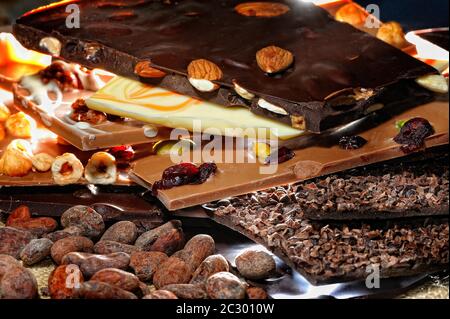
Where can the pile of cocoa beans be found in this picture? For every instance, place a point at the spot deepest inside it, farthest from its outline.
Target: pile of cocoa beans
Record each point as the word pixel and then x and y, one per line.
pixel 120 262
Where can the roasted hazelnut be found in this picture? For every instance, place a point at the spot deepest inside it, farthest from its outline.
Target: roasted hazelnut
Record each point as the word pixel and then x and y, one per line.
pixel 20 125
pixel 42 162
pixel 67 169
pixel 4 112
pixel 2 132
pixel 16 161
pixel 392 33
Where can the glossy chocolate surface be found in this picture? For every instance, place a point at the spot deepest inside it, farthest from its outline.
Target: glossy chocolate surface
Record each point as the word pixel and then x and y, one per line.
pixel 329 56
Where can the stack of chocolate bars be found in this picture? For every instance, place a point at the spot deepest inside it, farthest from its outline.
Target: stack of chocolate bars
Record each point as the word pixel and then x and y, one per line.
pixel 352 122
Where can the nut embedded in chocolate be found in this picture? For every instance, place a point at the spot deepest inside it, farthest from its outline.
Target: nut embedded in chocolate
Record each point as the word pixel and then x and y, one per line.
pixel 273 59
pixel 262 9
pixel 81 113
pixel 201 72
pixel 145 70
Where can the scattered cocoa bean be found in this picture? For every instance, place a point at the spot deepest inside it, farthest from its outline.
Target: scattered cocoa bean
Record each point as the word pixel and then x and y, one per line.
pixel 160 294
pixel 102 290
pixel 147 239
pixel 225 285
pixel 70 244
pixel 144 289
pixel 36 251
pixel 256 293
pixel 196 250
pixel 18 283
pixel 145 263
pixel 105 247
pixel 85 218
pixel 186 291
pixel 169 242
pixel 172 271
pixel 255 265
pixel 66 232
pixel 75 258
pixel 6 262
pixel 64 280
pixel 210 266
pixel 95 263
pixel 124 232
pixel 119 278
pixel 144 226
pixel 21 218
pixel 14 240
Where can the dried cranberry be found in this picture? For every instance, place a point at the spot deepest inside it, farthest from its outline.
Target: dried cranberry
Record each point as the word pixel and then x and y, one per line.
pixel 183 174
pixel 413 134
pixel 64 78
pixel 283 154
pixel 124 154
pixel 352 142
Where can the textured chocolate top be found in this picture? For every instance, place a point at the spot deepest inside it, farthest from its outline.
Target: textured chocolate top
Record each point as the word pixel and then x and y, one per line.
pixel 329 55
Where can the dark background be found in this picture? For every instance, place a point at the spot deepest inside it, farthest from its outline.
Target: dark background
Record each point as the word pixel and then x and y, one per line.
pixel 412 14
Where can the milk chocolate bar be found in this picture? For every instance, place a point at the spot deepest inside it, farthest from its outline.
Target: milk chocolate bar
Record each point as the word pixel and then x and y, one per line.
pixel 289 60
pixel 319 157
pixel 414 186
pixel 328 253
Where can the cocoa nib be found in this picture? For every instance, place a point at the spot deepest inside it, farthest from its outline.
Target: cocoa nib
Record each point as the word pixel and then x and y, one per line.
pixel 283 154
pixel 183 174
pixel 82 113
pixel 413 134
pixel 352 142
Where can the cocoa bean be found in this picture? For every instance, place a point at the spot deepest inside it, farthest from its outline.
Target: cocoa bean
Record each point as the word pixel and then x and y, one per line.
pixel 105 247
pixel 144 289
pixel 102 290
pixel 124 232
pixel 95 263
pixel 196 250
pixel 36 251
pixel 75 258
pixel 119 278
pixel 255 265
pixel 18 283
pixel 147 239
pixel 6 262
pixel 66 232
pixel 14 240
pixel 210 266
pixel 86 218
pixel 63 281
pixel 161 294
pixel 169 242
pixel 70 244
pixel 145 263
pixel 225 285
pixel 172 271
pixel 20 218
pixel 186 291
pixel 256 293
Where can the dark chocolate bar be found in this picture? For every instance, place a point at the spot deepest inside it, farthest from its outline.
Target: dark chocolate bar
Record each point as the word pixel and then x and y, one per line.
pixel 414 186
pixel 330 72
pixel 330 253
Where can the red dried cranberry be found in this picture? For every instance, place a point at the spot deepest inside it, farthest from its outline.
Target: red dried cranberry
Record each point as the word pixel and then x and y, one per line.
pixel 183 174
pixel 352 142
pixel 283 154
pixel 413 134
pixel 124 154
pixel 64 78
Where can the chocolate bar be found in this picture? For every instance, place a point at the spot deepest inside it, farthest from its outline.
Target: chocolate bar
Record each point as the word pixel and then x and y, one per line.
pixel 329 253
pixel 317 157
pixel 414 186
pixel 286 60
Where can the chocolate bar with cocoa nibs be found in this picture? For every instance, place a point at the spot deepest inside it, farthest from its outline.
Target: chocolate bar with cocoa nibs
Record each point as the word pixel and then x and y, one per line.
pixel 286 60
pixel 326 253
pixel 415 186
